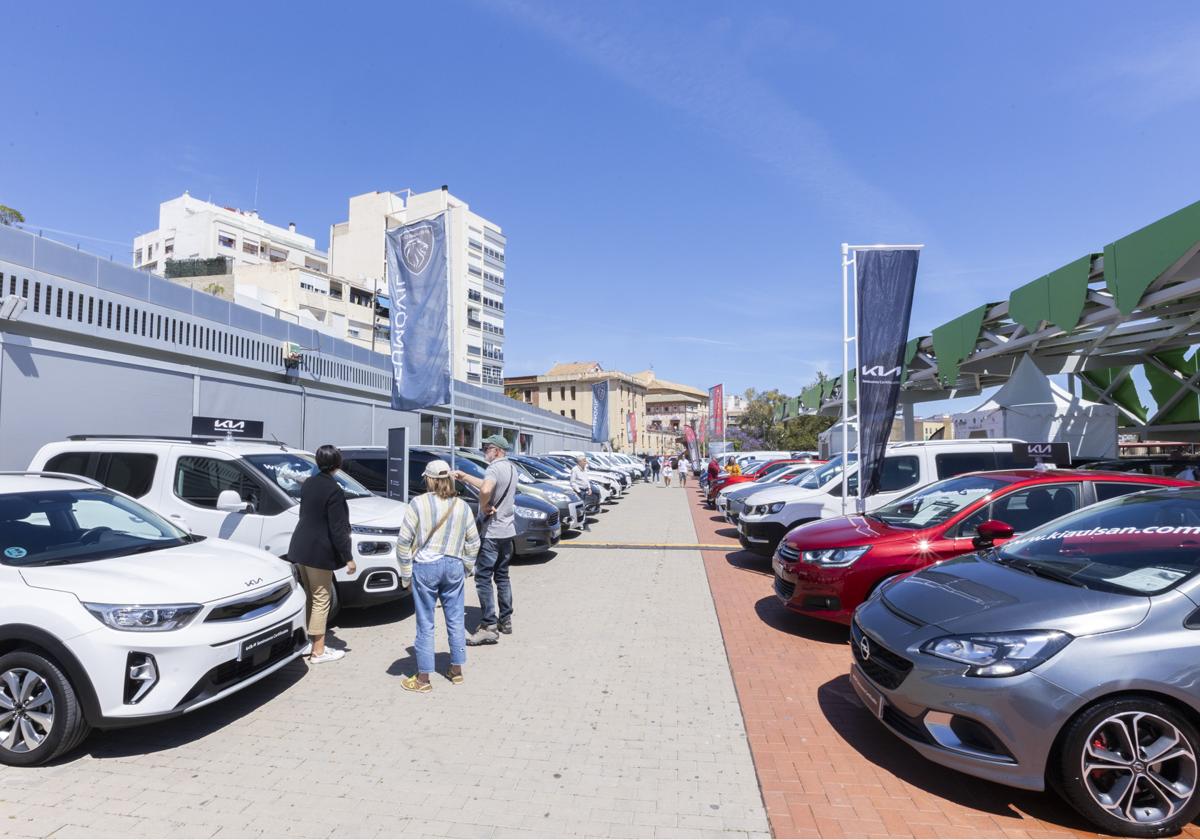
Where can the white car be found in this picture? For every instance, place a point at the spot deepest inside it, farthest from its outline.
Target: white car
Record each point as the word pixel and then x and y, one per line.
pixel 773 511
pixel 114 616
pixel 244 491
pixel 730 499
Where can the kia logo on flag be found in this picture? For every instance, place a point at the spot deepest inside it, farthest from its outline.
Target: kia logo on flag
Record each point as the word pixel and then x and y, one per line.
pixel 879 375
pixel 416 246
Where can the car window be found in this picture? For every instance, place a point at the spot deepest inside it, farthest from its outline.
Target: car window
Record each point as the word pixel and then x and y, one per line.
pixel 1143 544
pixel 938 502
pixel 199 481
pixel 898 473
pixel 369 472
pixel 1106 490
pixel 131 473
pixel 96 513
pixel 75 463
pixel 1025 509
pixel 950 464
pixel 289 471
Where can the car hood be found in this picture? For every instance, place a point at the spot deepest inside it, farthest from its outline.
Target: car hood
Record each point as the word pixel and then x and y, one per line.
pixel 196 573
pixel 969 594
pixel 786 493
pixel 376 510
pixel 741 491
pixel 845 530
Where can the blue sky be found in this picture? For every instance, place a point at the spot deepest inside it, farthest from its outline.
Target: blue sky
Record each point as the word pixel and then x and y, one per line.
pixel 674 178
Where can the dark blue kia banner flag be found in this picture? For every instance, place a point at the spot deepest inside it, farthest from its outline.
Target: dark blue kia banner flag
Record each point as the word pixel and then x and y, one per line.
pixel 418 285
pixel 600 412
pixel 886 279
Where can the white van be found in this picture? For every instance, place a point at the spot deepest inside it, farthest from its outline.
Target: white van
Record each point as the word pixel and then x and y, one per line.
pixel 771 512
pixel 244 491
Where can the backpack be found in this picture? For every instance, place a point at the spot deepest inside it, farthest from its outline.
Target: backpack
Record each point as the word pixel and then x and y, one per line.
pixel 674 463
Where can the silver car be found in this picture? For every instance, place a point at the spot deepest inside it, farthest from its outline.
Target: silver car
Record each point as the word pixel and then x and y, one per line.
pixel 1067 657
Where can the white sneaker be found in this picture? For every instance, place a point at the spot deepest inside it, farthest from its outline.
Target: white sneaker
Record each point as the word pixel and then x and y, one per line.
pixel 330 655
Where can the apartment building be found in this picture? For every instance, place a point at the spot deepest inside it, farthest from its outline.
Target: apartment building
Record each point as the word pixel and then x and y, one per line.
pixel 567 389
pixel 477 269
pixel 192 229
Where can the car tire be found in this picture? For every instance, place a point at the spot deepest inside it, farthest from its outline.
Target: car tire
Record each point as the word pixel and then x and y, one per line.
pixel 1160 801
pixel 58 719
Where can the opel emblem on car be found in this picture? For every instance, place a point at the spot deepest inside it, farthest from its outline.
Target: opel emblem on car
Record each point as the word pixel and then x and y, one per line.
pixel 864 647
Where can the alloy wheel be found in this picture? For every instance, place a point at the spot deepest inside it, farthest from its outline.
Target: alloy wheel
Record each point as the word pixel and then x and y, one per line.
pixel 1139 767
pixel 26 710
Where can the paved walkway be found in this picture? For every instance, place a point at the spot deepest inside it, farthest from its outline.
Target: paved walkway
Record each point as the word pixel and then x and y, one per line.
pixel 827 767
pixel 609 712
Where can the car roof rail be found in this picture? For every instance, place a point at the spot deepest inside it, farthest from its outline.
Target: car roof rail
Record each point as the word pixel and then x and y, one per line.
pixel 199 439
pixel 83 479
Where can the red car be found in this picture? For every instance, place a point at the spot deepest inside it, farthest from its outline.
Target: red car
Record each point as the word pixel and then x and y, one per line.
pixel 827 568
pixel 760 471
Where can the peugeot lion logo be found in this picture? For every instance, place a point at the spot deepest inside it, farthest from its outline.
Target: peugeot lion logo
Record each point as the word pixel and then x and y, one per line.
pixel 864 647
pixel 416 246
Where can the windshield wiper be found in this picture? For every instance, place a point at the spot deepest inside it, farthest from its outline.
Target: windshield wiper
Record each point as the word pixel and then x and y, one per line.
pixel 1043 572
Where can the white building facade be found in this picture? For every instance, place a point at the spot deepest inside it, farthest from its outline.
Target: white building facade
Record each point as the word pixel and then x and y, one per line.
pixel 191 229
pixel 477 277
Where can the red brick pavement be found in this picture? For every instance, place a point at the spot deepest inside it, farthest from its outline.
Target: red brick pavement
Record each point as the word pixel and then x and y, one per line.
pixel 827 768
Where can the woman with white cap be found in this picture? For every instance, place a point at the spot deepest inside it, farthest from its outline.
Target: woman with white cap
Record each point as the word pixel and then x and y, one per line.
pixel 437 547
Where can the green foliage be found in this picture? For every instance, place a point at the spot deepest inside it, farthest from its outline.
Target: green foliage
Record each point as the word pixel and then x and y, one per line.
pixel 10 215
pixel 758 422
pixel 215 289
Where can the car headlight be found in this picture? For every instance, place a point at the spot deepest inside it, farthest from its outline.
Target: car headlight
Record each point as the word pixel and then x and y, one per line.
pixel 529 513
pixel 834 556
pixel 378 532
pixel 999 654
pixel 776 507
pixel 558 498
pixel 144 618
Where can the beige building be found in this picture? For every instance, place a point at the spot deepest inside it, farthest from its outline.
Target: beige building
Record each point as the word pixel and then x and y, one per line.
pixel 477 280
pixel 660 409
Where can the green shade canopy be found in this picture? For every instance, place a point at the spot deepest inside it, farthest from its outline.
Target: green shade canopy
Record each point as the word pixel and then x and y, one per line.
pixel 954 341
pixel 1056 298
pixel 1135 261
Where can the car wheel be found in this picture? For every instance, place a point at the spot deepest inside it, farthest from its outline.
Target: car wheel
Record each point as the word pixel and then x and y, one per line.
pixel 1129 766
pixel 40 717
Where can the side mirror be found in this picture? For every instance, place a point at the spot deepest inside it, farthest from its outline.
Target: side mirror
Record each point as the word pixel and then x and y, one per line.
pixel 990 531
pixel 230 502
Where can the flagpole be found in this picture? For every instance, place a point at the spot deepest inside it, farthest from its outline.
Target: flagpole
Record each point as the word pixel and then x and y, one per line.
pixel 450 319
pixel 845 369
pixel 861 503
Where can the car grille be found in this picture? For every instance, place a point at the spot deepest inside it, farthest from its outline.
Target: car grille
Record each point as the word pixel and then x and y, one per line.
pixel 251 607
pixel 882 666
pixel 234 671
pixel 735 505
pixel 784 588
pixel 788 552
pixel 552 519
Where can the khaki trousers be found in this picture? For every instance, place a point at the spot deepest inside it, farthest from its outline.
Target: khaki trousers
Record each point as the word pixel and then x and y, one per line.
pixel 317 583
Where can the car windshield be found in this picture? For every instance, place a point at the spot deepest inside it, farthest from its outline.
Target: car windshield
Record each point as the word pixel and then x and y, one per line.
pixel 289 470
pixel 59 527
pixel 936 503
pixel 819 477
pixel 551 468
pixel 1142 544
pixel 785 475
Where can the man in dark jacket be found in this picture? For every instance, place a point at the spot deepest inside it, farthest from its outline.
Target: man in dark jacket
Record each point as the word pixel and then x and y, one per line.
pixel 320 545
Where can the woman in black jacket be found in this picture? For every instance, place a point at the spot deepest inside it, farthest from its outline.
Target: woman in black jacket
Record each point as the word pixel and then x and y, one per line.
pixel 321 544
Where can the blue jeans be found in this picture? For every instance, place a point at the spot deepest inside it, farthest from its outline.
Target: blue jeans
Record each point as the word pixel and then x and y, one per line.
pixel 492 564
pixel 432 582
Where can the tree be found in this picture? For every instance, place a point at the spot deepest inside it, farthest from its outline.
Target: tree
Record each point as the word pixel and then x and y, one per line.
pixel 10 216
pixel 758 428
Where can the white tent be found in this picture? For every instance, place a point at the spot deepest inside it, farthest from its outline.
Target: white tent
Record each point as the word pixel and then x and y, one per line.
pixel 1030 407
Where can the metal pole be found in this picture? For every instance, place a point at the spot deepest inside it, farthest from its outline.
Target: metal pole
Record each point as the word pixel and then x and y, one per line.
pixel 845 369
pixel 450 324
pixel 862 501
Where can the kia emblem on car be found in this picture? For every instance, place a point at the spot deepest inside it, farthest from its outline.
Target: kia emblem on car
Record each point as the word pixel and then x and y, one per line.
pixel 864 647
pixel 254 582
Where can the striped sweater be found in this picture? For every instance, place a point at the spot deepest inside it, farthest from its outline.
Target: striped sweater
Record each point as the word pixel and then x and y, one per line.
pixel 458 536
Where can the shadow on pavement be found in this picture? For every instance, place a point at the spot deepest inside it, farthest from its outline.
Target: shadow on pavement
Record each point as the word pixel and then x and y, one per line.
pixel 534 559
pixel 376 615
pixel 748 561
pixel 731 533
pixel 871 739
pixel 408 665
pixel 175 732
pixel 778 617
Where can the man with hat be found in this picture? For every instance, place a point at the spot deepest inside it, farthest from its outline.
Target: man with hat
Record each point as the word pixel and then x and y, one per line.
pixel 497 530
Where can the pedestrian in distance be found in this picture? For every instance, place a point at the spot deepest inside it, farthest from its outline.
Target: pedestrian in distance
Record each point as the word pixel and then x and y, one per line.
pixel 732 468
pixel 497 530
pixel 320 545
pixel 436 548
pixel 668 467
pixel 581 484
pixel 655 466
pixel 714 469
pixel 684 466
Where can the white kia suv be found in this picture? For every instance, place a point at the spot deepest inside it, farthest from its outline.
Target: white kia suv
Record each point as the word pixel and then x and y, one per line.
pixel 114 616
pixel 240 490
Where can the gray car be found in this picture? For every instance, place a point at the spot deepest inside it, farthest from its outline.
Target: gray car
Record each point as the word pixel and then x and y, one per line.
pixel 1069 657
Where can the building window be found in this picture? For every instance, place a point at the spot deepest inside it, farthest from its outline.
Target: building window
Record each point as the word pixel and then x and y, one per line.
pixel 528 395
pixel 572 392
pixel 315 265
pixel 563 413
pixel 225 240
pixel 472 269
pixel 169 248
pixel 572 414
pixel 137 257
pixel 549 394
pixel 473 350
pixel 276 254
pixel 250 248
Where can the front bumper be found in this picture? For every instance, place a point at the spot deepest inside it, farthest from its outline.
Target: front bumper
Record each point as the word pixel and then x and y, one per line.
pixel 761 536
pixel 999 729
pixel 536 538
pixel 195 666
pixel 377 579
pixel 812 591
